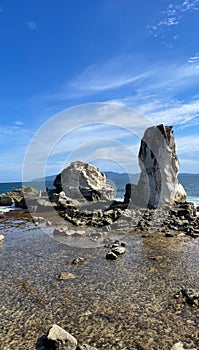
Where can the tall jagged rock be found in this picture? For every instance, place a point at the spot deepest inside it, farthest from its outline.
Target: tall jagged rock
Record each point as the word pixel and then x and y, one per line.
pixel 158 183
pixel 81 180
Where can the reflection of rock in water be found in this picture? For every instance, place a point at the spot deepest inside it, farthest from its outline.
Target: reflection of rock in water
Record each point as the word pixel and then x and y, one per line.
pixel 158 183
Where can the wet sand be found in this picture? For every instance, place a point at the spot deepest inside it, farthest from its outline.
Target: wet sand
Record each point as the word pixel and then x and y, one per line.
pixel 124 304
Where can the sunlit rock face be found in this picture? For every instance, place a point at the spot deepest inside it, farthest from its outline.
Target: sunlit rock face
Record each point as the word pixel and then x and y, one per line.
pixel 83 181
pixel 159 164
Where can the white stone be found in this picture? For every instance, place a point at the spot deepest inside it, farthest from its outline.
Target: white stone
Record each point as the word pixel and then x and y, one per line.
pixel 179 346
pixel 1 238
pixel 81 180
pixel 56 333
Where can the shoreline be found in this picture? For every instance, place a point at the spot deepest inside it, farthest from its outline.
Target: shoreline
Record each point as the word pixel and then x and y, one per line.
pixel 109 304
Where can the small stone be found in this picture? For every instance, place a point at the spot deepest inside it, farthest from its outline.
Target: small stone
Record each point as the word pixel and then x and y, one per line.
pixel 119 250
pixel 115 245
pixel 123 244
pixel 38 220
pixel 181 234
pixel 60 231
pixel 48 223
pixel 78 261
pixel 65 276
pixel 169 234
pixel 78 233
pixel 86 347
pixel 1 215
pixel 179 346
pixel 60 337
pixel 1 238
pixel 111 256
pixel 156 258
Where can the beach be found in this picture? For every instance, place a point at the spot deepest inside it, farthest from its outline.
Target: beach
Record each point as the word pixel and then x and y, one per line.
pixel 124 304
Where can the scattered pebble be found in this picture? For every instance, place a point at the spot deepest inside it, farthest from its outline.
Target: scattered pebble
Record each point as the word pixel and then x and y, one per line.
pixel 119 250
pixel 179 346
pixel 189 296
pixel 1 238
pixel 111 256
pixel 78 261
pixel 65 275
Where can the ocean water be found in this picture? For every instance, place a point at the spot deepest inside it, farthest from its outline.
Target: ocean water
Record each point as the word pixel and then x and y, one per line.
pixel 190 183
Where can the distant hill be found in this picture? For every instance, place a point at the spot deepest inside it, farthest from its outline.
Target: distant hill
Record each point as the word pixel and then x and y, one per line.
pixel 111 175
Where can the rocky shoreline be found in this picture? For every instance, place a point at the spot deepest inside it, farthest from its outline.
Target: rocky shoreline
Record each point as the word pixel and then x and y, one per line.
pixel 132 294
pixel 147 299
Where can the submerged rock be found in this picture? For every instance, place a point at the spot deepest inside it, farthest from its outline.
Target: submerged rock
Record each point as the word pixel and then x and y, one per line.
pixel 158 184
pixel 83 181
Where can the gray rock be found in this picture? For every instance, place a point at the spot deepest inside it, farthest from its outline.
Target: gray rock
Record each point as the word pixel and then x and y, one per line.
pixel 62 339
pixel 65 276
pixel 78 261
pixel 118 250
pixel 18 197
pixel 60 231
pixel 86 347
pixel 158 183
pixel 83 181
pixel 111 256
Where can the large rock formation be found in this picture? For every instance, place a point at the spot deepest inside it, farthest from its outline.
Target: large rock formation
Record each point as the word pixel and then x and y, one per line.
pixel 84 181
pixel 158 183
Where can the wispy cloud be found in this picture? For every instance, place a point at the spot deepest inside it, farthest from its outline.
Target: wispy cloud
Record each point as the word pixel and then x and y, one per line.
pixel 32 25
pixel 172 15
pixel 19 123
pixel 194 59
pixel 116 73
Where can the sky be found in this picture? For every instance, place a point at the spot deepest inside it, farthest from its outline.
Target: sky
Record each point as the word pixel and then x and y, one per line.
pixel 71 72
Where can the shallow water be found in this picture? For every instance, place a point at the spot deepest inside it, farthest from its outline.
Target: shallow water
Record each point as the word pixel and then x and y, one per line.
pixel 123 304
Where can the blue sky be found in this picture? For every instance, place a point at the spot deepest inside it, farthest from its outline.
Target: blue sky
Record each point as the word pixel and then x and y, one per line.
pixel 57 55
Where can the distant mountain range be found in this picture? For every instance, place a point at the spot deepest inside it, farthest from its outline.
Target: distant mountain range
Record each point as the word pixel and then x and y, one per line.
pixel 111 175
pixel 123 177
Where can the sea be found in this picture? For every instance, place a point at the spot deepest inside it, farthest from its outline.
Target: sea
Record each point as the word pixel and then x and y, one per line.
pixel 190 183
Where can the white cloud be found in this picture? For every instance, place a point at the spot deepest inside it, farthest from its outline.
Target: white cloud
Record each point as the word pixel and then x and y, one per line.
pixel 118 72
pixel 32 25
pixel 95 79
pixel 172 16
pixel 12 131
pixel 194 59
pixel 188 145
pixel 19 123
